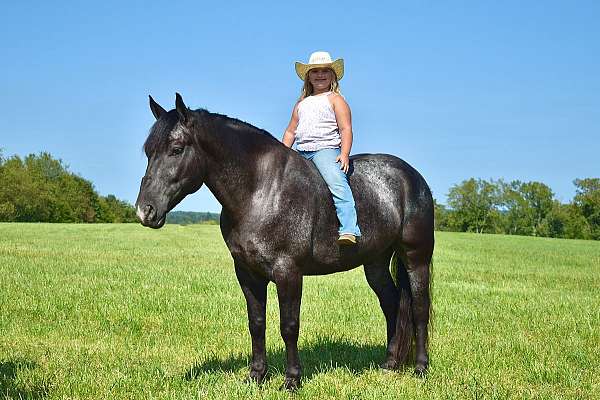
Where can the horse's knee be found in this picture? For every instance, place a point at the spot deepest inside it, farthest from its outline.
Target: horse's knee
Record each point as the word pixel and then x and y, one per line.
pixel 290 330
pixel 257 326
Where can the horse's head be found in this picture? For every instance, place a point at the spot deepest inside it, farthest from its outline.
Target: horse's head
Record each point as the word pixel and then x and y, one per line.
pixel 174 166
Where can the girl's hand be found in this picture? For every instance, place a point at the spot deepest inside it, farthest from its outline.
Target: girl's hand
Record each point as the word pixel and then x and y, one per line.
pixel 344 161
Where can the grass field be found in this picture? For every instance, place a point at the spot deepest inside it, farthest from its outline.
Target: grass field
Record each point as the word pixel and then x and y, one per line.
pixel 121 311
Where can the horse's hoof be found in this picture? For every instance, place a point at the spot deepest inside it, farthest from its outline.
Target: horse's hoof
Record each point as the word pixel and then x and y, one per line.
pixel 421 371
pixel 291 384
pixel 256 376
pixel 389 365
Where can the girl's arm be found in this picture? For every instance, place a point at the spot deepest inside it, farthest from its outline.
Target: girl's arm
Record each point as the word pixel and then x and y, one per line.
pixel 343 116
pixel 289 136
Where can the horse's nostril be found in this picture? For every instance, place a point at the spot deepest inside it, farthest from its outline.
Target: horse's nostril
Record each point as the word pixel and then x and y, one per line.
pixel 149 211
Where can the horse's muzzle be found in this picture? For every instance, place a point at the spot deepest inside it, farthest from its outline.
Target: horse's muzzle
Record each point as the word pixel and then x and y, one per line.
pixel 149 217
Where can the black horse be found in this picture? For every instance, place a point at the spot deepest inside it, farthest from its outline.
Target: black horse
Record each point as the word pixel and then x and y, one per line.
pixel 279 223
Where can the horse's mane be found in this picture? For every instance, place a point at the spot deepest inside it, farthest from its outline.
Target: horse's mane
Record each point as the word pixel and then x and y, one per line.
pixel 234 122
pixel 157 139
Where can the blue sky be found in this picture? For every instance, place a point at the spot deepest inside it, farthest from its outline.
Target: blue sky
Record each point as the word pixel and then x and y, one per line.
pixel 458 89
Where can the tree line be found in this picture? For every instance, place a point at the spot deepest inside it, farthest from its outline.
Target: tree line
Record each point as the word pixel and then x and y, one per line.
pixel 521 208
pixel 192 217
pixel 39 188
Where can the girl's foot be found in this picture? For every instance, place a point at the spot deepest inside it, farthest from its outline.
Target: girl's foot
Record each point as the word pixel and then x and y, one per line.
pixel 347 239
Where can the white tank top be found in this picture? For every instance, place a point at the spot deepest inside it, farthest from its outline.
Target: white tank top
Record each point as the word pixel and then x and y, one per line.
pixel 317 126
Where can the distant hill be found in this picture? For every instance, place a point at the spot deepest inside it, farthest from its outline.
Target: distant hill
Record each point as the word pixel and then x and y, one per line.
pixel 192 217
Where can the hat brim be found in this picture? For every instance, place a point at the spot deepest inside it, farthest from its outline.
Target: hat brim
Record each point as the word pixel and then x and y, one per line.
pixel 337 66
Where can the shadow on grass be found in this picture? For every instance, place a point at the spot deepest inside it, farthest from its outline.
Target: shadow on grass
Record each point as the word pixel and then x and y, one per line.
pixel 10 385
pixel 322 355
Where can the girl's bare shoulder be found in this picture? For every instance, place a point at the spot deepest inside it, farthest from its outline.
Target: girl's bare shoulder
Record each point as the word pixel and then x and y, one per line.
pixel 337 99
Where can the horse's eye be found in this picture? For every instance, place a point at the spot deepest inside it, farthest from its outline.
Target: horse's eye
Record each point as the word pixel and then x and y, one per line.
pixel 176 150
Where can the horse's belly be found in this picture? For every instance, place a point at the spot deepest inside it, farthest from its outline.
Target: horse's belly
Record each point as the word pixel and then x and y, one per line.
pixel 317 268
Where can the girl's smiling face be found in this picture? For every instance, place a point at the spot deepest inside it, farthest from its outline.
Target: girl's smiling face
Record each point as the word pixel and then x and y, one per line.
pixel 320 79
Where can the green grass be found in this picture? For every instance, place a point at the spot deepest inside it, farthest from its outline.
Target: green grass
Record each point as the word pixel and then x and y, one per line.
pixel 121 311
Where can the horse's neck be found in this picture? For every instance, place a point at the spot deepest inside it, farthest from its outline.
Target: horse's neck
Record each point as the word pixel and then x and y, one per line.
pixel 237 161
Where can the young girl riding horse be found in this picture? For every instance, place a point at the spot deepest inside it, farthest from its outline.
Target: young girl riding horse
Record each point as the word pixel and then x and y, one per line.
pixel 321 126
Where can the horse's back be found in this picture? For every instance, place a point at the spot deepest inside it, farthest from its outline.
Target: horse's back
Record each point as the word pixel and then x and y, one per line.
pixel 391 180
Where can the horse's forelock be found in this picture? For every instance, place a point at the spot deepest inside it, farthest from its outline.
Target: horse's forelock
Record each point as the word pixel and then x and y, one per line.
pixel 157 139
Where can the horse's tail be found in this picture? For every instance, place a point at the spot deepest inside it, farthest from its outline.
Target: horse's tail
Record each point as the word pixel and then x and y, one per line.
pixel 404 319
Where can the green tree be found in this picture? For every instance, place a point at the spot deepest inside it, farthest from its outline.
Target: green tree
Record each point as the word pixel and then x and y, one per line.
pixel 441 216
pixel 112 209
pixel 567 221
pixel 19 191
pixel 40 188
pixel 474 205
pixel 7 208
pixel 526 206
pixel 587 200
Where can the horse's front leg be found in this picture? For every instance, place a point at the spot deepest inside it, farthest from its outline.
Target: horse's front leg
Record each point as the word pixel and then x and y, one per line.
pixel 289 292
pixel 255 291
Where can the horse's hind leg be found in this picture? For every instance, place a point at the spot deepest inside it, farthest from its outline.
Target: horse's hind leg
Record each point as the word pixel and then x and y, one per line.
pixel 418 262
pixel 379 279
pixel 289 293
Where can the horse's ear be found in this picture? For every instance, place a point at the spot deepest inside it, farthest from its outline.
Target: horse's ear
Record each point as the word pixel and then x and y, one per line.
pixel 182 109
pixel 157 110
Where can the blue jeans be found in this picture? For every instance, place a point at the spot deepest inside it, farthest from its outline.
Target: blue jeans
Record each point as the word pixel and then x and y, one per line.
pixel 337 181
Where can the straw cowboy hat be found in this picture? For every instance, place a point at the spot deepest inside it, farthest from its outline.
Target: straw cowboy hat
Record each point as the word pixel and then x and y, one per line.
pixel 320 59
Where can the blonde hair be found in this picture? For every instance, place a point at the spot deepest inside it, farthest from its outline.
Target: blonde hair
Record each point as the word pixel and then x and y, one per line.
pixel 308 90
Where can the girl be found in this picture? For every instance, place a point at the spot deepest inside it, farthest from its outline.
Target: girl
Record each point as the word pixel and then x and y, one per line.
pixel 322 128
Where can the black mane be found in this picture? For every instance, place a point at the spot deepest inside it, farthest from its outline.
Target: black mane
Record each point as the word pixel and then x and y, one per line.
pixel 240 124
pixel 157 139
